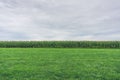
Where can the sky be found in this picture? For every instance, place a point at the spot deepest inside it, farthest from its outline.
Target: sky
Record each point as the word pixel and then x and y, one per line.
pixel 59 20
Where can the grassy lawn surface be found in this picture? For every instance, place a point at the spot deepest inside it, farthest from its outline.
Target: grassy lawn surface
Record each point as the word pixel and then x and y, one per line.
pixel 59 64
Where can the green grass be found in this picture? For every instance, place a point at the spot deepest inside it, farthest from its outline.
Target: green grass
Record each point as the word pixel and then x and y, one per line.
pixel 59 64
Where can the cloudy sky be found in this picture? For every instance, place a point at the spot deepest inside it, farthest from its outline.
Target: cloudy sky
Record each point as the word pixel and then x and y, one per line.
pixel 59 19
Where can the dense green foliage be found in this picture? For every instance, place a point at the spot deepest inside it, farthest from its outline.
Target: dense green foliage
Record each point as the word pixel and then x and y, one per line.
pixel 60 44
pixel 59 64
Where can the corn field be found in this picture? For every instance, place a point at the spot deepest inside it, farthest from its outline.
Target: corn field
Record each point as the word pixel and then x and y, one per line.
pixel 59 44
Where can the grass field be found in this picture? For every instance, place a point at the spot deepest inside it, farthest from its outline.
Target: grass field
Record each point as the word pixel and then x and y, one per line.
pixel 59 64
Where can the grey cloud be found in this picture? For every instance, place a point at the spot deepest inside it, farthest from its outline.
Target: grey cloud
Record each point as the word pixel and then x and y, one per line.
pixel 60 19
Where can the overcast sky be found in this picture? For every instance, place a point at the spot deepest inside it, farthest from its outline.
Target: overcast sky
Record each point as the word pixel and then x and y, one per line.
pixel 59 19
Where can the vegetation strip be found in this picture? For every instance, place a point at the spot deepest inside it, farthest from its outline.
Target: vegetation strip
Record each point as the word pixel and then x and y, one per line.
pixel 59 44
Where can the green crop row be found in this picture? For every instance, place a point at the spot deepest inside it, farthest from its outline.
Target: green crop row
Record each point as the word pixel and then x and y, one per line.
pixel 60 44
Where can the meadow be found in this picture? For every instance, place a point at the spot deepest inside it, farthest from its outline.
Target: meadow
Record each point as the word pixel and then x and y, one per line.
pixel 59 64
